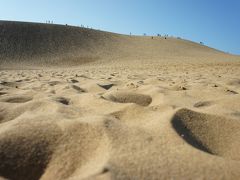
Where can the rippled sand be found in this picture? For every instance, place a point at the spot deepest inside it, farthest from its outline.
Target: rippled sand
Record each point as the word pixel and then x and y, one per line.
pixel 161 122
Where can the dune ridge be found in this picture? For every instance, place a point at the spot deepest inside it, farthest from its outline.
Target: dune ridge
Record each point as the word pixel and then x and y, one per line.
pixel 35 44
pixel 85 104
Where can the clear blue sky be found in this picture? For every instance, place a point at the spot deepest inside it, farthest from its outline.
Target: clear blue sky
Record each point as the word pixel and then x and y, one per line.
pixel 214 22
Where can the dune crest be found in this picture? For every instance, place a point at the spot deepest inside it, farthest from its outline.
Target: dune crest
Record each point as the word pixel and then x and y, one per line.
pixel 34 45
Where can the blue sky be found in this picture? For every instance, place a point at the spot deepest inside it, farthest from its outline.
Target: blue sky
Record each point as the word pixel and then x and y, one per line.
pixel 214 22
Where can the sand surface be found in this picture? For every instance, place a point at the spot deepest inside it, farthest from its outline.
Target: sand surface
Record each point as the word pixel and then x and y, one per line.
pixel 165 109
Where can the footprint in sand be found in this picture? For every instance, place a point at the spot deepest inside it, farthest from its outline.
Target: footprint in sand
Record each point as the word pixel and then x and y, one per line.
pixel 202 104
pixel 78 88
pixel 16 99
pixel 234 82
pixel 106 86
pixel 54 83
pixel 2 93
pixel 63 100
pixel 128 97
pixel 26 148
pixel 212 134
pixel 231 91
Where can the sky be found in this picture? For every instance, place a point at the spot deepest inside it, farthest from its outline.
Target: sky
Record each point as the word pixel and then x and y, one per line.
pixel 216 23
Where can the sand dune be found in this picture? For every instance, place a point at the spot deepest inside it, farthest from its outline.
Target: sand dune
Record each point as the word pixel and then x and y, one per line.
pixel 42 45
pixel 78 103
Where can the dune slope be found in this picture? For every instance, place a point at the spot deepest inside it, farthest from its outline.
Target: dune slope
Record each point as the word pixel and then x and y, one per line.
pixel 33 44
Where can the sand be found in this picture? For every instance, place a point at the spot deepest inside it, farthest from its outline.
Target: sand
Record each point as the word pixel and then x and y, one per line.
pixel 135 108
